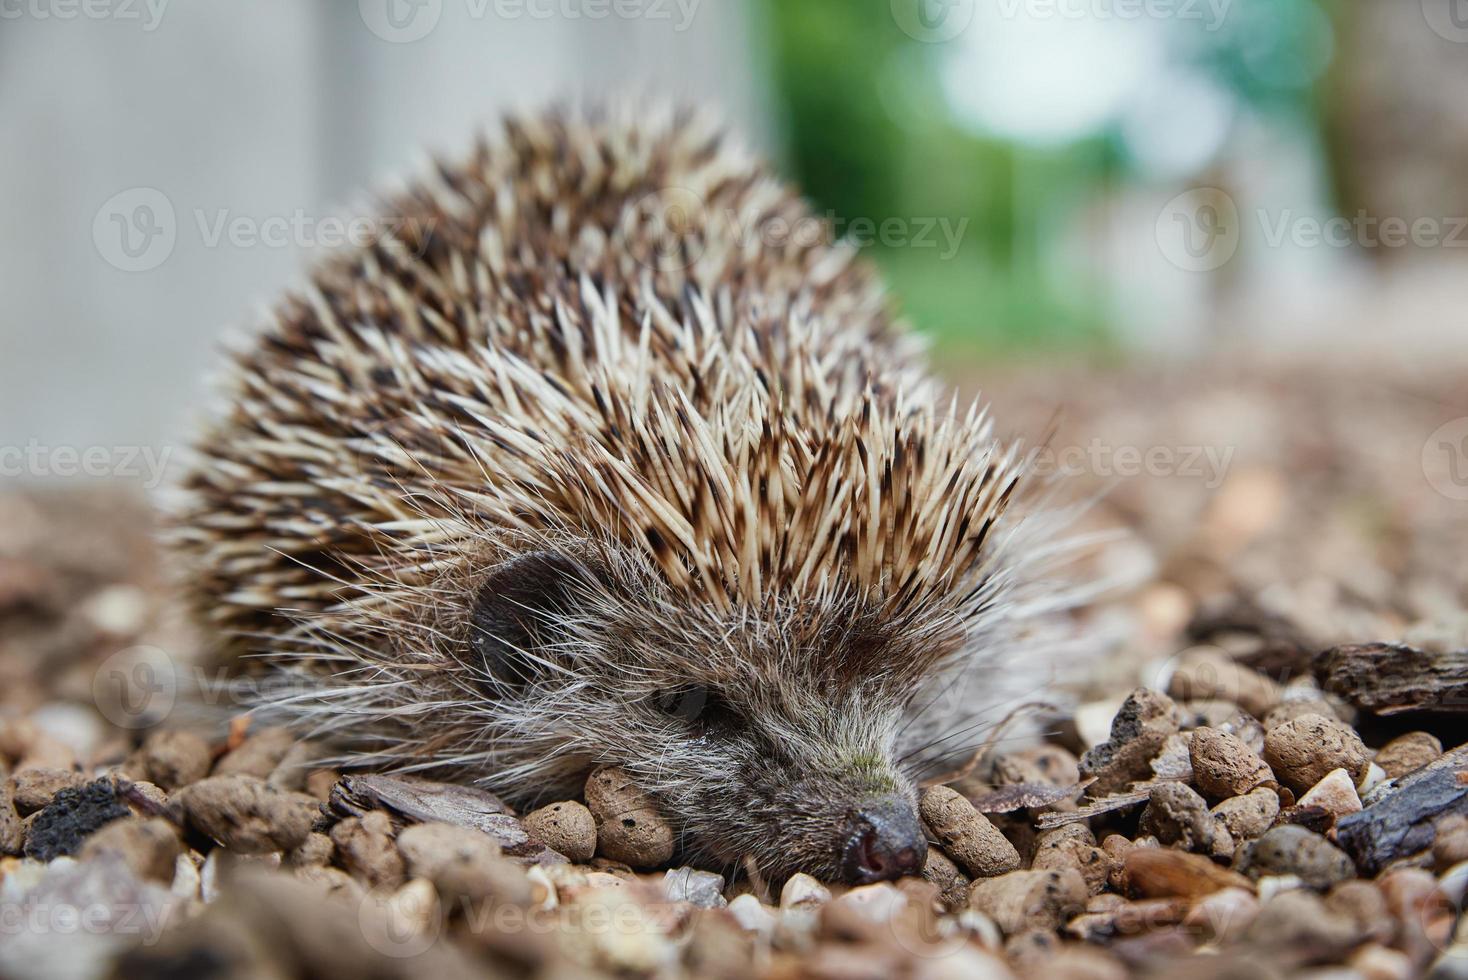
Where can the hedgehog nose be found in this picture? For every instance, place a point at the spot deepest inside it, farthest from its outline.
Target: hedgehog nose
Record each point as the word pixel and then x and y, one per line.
pixel 885 842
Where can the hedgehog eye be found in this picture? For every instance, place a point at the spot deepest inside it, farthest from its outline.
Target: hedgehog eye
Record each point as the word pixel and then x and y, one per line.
pixel 516 610
pixel 700 707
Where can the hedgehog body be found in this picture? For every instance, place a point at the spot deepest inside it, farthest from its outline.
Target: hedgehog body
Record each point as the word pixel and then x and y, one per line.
pixel 592 458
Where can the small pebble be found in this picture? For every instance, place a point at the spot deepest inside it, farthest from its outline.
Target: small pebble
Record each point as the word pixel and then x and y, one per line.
pixel 12 829
pixel 45 751
pixel 1450 844
pixel 248 816
pixel 34 789
pixel 1408 753
pixel 1417 907
pixel 315 851
pixel 366 849
pixel 704 889
pixel 149 847
pixel 1040 764
pixel 1288 711
pixel 1299 924
pixel 1116 847
pixel 1177 815
pixel 462 863
pixel 1073 846
pixel 1223 766
pixel 751 915
pixel 320 781
pixel 1292 850
pixel 1375 962
pixel 1139 732
pixel 1272 885
pixel 1335 794
pixel 803 891
pixel 257 755
pixel 186 876
pixel 334 883
pixel 1304 751
pixel 567 827
pixel 1205 673
pixel 951 882
pixel 1224 915
pixel 1363 903
pixel 965 834
pixel 1250 815
pixel 170 759
pixel 1022 900
pixel 294 767
pixel 629 827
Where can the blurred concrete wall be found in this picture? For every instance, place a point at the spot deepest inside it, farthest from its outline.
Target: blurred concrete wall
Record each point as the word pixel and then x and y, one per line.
pixel 166 167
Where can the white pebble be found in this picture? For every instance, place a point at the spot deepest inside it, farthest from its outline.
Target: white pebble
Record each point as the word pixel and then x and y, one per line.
pixel 752 915
pixel 803 891
pixel 1335 794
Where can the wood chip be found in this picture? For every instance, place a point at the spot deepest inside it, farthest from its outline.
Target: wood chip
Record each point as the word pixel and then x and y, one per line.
pixel 424 801
pixel 1389 678
pixel 1404 821
pixel 1117 801
pixel 1019 796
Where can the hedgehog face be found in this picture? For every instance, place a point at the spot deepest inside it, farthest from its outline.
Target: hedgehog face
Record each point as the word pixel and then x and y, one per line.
pixel 754 743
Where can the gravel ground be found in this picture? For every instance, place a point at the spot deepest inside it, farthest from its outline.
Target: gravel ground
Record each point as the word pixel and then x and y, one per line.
pixel 1261 773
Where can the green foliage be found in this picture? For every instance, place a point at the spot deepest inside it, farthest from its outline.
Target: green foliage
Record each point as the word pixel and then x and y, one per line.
pixel 869 134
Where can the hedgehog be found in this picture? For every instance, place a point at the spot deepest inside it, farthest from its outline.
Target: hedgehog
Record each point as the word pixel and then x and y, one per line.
pixel 595 455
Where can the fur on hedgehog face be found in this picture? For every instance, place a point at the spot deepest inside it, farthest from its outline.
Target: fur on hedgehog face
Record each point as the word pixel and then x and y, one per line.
pixel 794 766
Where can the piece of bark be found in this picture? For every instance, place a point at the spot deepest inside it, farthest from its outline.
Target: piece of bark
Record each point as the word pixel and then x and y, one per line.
pixel 1018 796
pixel 425 801
pixel 1404 822
pixel 1117 801
pixel 1388 678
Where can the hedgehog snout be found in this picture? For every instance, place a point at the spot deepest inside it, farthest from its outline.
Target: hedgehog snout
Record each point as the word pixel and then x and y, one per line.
pixel 884 841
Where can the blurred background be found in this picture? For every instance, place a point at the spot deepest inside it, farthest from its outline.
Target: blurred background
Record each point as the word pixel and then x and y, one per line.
pixel 1084 181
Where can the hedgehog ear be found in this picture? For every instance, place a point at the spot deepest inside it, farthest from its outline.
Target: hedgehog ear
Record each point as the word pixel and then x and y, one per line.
pixel 516 610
